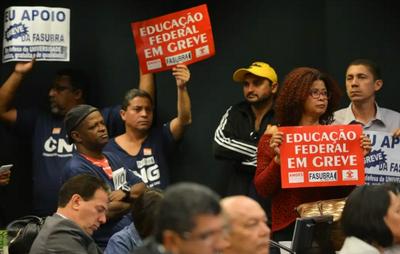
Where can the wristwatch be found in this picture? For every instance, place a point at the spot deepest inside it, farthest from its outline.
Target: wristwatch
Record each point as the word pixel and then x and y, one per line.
pixel 127 190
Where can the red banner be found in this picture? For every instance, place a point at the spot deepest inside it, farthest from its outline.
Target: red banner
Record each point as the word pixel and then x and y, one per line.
pixel 324 155
pixel 180 37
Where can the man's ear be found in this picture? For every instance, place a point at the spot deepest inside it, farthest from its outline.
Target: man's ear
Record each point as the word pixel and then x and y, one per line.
pixel 78 94
pixel 122 114
pixel 274 88
pixel 76 137
pixel 171 241
pixel 378 84
pixel 75 201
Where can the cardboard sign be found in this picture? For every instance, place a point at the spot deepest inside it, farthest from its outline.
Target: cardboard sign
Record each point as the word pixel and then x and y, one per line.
pixel 180 37
pixel 382 164
pixel 36 31
pixel 324 155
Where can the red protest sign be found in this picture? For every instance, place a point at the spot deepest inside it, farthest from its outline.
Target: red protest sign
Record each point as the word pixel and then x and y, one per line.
pixel 324 155
pixel 180 37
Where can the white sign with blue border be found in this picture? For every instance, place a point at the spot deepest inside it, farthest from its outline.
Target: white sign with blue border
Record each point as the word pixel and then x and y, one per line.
pixel 382 164
pixel 36 31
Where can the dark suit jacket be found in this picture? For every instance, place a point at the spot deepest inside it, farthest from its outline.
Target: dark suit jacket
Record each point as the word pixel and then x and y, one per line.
pixel 60 235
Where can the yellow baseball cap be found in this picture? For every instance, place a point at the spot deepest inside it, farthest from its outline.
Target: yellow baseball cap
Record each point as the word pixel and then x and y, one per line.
pixel 260 69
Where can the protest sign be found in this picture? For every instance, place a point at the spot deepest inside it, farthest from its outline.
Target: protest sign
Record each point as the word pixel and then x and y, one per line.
pixel 324 155
pixel 181 37
pixel 382 164
pixel 36 31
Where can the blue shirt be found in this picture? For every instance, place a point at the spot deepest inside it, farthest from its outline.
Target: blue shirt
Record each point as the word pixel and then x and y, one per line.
pixel 80 165
pixel 124 241
pixel 150 163
pixel 51 150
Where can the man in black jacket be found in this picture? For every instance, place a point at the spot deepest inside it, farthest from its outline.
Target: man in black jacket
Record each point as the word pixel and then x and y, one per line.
pixel 237 135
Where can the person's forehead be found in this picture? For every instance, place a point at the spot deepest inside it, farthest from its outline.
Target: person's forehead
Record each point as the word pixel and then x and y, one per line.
pixel 94 116
pixel 140 101
pixel 357 69
pixel 250 76
pixel 318 84
pixel 248 210
pixel 204 222
pixel 100 198
pixel 63 79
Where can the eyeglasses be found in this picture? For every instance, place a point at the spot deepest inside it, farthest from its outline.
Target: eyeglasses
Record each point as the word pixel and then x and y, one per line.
pixel 315 93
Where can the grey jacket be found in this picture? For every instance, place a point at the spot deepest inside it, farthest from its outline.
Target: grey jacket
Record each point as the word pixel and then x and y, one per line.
pixel 60 235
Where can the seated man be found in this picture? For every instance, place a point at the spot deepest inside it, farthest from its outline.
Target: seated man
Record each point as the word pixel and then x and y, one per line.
pixel 248 230
pixel 143 213
pixel 189 221
pixel 82 206
pixel 85 128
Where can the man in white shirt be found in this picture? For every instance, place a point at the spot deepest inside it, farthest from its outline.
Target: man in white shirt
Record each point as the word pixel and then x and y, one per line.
pixel 363 80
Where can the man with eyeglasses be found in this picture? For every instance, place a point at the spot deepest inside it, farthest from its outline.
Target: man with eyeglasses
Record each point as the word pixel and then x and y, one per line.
pixel 242 125
pixel 189 221
pixel 363 81
pixel 45 130
pixel 248 230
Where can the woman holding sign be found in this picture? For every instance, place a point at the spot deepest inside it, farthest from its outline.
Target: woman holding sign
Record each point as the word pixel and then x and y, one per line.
pixel 308 98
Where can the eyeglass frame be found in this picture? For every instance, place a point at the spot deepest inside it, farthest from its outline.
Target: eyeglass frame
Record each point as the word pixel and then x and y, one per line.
pixel 316 93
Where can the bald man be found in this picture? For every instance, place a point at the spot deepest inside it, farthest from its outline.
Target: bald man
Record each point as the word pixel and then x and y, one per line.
pixel 248 232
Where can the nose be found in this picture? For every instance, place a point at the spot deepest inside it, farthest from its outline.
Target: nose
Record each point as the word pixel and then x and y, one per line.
pixel 52 92
pixel 102 128
pixel 144 112
pixel 265 230
pixel 102 218
pixel 354 82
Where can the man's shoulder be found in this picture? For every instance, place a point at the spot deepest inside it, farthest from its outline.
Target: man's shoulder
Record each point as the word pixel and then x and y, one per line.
pixel 342 116
pixel 390 112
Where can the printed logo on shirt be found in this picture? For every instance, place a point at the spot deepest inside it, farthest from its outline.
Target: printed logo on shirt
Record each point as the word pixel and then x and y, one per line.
pixel 148 171
pixel 57 147
pixel 56 130
pixel 147 151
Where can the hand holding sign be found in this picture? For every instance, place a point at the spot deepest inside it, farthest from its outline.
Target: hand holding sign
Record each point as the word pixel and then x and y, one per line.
pixel 24 67
pixel 181 37
pixel 181 74
pixel 366 144
pixel 323 155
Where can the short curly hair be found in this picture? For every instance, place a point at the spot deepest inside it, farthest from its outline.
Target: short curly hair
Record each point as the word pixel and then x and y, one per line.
pixel 289 106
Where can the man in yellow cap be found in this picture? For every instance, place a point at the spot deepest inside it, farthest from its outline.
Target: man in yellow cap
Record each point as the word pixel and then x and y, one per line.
pixel 237 135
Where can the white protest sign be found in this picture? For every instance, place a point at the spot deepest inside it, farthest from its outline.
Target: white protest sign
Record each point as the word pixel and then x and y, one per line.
pixel 36 31
pixel 382 164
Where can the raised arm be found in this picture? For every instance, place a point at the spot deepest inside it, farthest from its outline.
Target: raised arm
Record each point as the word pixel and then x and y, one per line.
pixel 184 117
pixel 146 83
pixel 8 90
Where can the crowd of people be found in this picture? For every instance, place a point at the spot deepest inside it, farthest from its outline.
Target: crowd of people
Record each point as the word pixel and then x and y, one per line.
pixel 101 176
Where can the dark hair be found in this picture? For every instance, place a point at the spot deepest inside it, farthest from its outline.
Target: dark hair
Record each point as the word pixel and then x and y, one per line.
pixel 182 203
pixel 371 65
pixel 289 105
pixel 84 185
pixel 132 94
pixel 364 212
pixel 77 79
pixel 144 210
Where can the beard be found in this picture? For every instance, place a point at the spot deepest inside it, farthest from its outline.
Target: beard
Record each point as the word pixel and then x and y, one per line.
pixel 260 102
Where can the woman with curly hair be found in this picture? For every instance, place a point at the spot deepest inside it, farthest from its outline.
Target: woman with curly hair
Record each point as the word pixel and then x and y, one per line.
pixel 308 97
